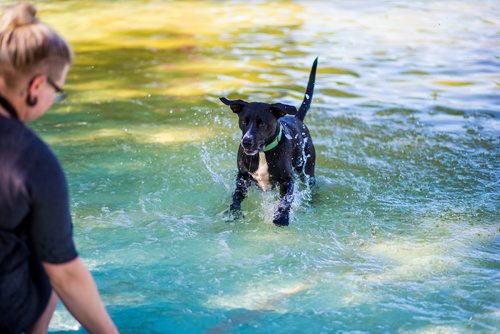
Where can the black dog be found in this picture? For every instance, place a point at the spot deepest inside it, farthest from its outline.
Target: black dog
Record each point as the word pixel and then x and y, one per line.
pixel 273 146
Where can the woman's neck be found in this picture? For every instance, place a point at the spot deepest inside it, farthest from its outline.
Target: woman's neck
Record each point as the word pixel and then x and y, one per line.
pixel 4 113
pixel 7 109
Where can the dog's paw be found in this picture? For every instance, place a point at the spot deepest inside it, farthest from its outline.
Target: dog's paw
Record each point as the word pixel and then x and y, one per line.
pixel 281 219
pixel 233 213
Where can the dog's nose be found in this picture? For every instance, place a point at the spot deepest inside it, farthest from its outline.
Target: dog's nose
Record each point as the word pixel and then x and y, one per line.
pixel 246 142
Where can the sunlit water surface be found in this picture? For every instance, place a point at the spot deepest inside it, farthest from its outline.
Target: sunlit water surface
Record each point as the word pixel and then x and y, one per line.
pixel 403 232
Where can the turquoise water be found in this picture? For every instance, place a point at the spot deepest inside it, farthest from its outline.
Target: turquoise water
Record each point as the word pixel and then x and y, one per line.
pixel 402 235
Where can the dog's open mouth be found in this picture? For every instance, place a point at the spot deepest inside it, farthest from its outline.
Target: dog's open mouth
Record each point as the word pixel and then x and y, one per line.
pixel 250 151
pixel 253 150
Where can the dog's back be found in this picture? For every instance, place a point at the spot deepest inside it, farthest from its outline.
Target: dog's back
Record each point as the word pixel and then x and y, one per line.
pixel 303 152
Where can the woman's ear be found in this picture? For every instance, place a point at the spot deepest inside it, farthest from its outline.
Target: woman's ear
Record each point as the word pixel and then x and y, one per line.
pixel 36 83
pixel 34 87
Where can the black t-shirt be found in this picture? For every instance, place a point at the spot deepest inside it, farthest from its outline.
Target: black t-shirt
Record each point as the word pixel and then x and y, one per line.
pixel 35 224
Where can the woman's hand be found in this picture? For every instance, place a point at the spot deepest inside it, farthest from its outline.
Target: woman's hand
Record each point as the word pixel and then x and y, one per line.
pixel 76 288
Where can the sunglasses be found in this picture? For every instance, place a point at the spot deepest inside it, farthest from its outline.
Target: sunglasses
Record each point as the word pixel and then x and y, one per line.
pixel 60 93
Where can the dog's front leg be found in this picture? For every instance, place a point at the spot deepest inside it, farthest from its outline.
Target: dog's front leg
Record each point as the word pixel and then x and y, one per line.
pixel 242 183
pixel 282 214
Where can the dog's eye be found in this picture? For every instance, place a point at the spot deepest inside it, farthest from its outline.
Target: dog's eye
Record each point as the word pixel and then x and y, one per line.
pixel 259 123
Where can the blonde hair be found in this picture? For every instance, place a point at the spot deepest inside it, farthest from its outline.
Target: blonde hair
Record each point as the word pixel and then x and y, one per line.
pixel 28 46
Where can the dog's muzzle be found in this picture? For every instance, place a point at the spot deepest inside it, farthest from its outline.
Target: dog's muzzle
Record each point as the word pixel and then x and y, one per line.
pixel 249 147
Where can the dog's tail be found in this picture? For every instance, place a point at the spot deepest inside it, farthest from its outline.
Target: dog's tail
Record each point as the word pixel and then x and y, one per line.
pixel 301 114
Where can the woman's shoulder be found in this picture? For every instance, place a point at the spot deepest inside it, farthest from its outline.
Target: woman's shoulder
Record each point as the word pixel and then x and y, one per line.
pixel 19 143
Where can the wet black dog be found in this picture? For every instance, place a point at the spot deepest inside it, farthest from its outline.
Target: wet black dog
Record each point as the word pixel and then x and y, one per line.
pixel 275 144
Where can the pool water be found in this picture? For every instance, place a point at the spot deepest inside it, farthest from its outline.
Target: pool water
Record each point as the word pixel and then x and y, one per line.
pixel 402 235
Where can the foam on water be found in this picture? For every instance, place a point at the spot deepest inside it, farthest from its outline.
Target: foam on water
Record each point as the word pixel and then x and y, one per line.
pixel 263 296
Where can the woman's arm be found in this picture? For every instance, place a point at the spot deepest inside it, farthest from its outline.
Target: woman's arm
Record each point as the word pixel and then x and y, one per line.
pixel 76 288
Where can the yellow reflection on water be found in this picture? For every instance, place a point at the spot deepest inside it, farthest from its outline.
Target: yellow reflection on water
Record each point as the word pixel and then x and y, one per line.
pixel 153 136
pixel 263 296
pixel 141 24
pixel 417 259
pixel 105 34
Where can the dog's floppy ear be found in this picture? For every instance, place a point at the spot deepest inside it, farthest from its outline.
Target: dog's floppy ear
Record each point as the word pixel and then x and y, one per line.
pixel 280 110
pixel 235 105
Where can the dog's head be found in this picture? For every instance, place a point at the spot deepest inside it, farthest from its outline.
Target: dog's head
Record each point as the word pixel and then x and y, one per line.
pixel 258 122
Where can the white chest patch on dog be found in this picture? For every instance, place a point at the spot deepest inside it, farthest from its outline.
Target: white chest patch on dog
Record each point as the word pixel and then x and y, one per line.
pixel 261 175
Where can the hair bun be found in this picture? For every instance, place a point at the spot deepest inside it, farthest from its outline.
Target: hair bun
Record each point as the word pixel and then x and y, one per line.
pixel 18 15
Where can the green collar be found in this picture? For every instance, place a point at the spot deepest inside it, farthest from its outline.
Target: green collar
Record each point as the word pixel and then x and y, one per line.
pixel 275 142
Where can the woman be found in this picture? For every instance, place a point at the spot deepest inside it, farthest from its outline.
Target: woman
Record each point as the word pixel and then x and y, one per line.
pixel 37 253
